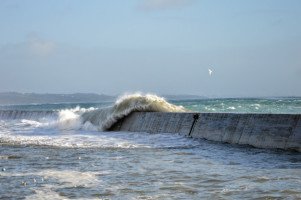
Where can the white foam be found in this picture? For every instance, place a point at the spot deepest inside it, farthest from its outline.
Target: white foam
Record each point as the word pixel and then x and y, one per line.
pixel 66 178
pixel 80 127
pixel 103 118
pixel 91 119
pixel 90 139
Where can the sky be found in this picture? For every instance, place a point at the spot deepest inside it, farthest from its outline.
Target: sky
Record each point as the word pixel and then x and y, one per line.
pixel 253 47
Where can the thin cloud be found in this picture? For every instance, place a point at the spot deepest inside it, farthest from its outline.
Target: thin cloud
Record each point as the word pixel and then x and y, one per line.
pixel 31 48
pixel 164 4
pixel 42 48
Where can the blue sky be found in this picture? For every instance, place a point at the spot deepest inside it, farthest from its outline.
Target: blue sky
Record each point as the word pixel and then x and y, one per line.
pixel 155 46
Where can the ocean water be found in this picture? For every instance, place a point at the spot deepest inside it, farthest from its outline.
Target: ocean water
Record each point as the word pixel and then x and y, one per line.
pixel 62 151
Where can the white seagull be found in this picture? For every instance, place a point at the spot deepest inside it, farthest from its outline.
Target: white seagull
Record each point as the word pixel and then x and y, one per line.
pixel 210 71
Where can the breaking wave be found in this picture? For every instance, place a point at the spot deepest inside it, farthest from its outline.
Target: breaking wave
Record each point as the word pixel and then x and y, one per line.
pixel 95 119
pixel 125 105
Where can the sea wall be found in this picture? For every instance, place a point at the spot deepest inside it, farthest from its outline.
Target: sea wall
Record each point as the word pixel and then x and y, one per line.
pixel 26 114
pixel 281 131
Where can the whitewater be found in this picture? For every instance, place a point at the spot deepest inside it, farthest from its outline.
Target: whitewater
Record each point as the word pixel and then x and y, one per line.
pixel 65 151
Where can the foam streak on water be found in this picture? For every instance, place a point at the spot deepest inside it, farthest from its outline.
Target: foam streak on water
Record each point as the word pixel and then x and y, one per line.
pixel 62 153
pixel 244 105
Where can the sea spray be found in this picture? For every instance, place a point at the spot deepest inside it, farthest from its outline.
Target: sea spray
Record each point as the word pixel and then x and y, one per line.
pixel 92 119
pixel 125 105
pixel 70 119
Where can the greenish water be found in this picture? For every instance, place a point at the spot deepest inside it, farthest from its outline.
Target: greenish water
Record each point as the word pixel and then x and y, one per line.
pixel 244 105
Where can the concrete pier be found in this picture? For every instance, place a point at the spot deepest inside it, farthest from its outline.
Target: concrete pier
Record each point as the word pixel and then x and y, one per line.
pixel 282 131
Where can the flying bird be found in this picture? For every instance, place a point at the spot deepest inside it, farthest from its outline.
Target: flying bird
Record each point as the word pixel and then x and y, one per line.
pixel 210 71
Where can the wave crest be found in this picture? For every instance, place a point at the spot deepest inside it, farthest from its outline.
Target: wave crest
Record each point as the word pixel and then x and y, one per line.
pixel 92 119
pixel 125 105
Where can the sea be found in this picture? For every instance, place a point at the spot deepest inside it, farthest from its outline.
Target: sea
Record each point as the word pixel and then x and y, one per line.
pixel 64 151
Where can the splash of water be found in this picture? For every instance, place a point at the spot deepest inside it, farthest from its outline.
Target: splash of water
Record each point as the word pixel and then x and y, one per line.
pixel 93 119
pixel 125 105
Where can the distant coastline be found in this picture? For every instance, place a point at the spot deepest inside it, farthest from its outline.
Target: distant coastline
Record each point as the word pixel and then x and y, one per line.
pixel 16 98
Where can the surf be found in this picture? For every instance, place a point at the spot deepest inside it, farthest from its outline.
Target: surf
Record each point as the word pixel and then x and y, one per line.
pixel 93 119
pixel 104 118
